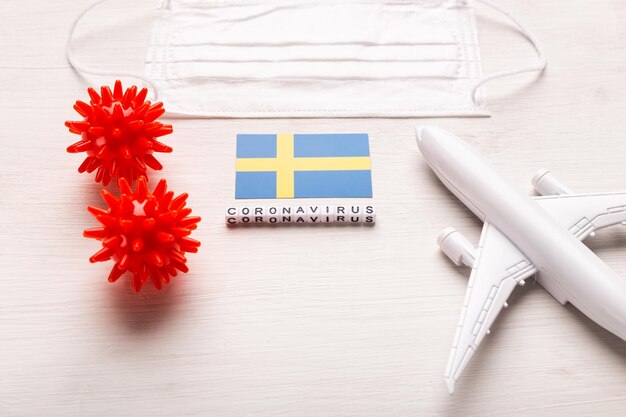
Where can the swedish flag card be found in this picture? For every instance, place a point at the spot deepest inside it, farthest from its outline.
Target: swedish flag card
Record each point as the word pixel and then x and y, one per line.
pixel 303 165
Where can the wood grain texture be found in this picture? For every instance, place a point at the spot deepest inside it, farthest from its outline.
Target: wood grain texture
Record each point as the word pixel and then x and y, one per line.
pixel 300 321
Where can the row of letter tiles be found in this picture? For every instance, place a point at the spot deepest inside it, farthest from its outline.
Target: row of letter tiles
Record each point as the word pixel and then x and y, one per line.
pixel 347 214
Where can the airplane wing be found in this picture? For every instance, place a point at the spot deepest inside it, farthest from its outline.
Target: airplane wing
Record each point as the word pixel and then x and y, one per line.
pixel 583 214
pixel 499 266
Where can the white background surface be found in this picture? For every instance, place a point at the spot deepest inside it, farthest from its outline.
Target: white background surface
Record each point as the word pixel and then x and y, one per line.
pixel 299 321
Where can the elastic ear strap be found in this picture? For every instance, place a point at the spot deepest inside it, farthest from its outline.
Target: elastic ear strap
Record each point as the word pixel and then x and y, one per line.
pixel 95 71
pixel 539 66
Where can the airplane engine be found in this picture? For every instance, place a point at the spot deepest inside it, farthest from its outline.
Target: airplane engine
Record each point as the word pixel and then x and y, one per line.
pixel 457 247
pixel 546 183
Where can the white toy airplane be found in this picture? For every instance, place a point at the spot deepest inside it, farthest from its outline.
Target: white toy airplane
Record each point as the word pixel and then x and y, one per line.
pixel 523 236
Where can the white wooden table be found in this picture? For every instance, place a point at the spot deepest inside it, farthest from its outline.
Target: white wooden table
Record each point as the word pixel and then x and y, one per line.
pixel 299 321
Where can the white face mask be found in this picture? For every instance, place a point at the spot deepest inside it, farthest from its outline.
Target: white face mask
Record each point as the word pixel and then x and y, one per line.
pixel 316 58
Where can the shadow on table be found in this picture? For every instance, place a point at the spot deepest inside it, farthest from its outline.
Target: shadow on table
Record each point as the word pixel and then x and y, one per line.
pixel 149 310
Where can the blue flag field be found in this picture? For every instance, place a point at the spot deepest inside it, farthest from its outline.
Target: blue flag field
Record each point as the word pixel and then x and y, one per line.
pixel 303 165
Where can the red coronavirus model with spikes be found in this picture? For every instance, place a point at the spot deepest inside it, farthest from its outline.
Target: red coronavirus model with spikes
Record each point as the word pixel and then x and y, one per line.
pixel 146 234
pixel 119 133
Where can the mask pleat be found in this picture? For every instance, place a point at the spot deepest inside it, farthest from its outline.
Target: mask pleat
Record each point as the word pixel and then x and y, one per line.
pixel 255 58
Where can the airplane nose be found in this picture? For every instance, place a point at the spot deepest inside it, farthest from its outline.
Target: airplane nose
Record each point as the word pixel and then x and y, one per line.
pixel 423 133
pixel 418 133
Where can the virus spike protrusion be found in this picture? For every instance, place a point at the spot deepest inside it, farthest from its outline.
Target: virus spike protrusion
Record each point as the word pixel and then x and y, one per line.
pixel 148 224
pixel 83 108
pixel 155 258
pixel 129 95
pixel 141 192
pixel 124 186
pixel 135 125
pixel 116 272
pixel 160 189
pixel 109 198
pixel 106 220
pixel 179 202
pixel 96 211
pixel 80 146
pixel 83 167
pixel 95 233
pixel 117 90
pixel 107 96
pixel 123 263
pixel 141 96
pixel 160 147
pixel 181 267
pixel 156 280
pixel 103 254
pixel 152 162
pixel 112 242
pixel 95 163
pixel 137 245
pixel 127 225
pixel 93 95
pixel 120 128
pixel 164 237
pixel 145 233
pixel 100 174
pixel 137 282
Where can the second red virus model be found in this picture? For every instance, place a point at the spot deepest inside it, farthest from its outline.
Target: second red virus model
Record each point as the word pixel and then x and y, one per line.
pixel 146 234
pixel 119 133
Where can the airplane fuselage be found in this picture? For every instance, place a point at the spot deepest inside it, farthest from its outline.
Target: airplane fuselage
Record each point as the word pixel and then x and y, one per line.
pixel 564 263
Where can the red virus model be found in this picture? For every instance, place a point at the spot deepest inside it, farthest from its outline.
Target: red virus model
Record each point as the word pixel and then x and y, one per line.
pixel 146 234
pixel 119 133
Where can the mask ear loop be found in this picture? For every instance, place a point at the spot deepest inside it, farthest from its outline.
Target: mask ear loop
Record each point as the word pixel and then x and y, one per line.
pixel 84 69
pixel 538 67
